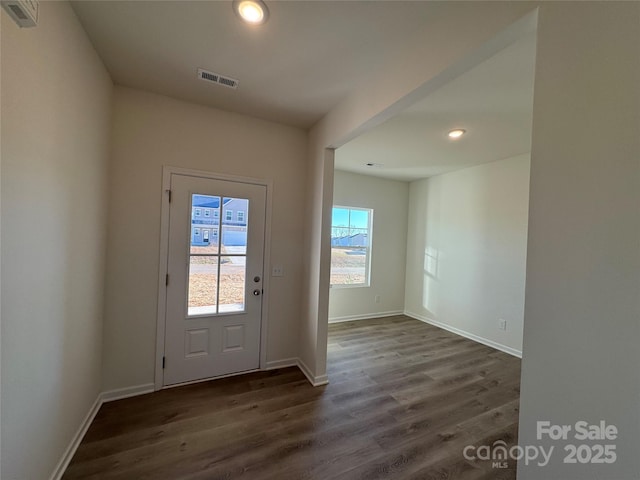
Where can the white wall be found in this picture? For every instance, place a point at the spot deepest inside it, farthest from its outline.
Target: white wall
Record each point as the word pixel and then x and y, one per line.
pixel 466 251
pixel 389 201
pixel 56 98
pixel 582 315
pixel 151 131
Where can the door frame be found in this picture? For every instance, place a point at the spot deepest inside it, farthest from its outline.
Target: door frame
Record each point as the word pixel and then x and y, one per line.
pixel 167 171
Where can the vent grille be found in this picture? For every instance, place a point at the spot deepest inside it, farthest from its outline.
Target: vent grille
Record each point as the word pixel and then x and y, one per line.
pixel 18 12
pixel 217 78
pixel 23 12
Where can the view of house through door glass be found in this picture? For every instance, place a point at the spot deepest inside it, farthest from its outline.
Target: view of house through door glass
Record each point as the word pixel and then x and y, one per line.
pixel 217 264
pixel 215 269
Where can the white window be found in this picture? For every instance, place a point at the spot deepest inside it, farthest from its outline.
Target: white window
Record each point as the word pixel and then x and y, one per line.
pixel 205 235
pixel 241 216
pixel 228 215
pixel 216 213
pixel 350 246
pixel 207 212
pixel 197 212
pixel 196 231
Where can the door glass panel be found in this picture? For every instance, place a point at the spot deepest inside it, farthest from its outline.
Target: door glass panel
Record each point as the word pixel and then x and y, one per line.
pixel 232 284
pixel 203 285
pixel 234 225
pixel 218 249
pixel 205 223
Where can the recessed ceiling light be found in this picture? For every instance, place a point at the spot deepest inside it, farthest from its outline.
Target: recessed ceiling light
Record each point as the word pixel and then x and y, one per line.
pixel 253 12
pixel 457 133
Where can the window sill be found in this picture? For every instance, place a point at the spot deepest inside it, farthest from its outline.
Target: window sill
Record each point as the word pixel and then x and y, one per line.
pixel 340 286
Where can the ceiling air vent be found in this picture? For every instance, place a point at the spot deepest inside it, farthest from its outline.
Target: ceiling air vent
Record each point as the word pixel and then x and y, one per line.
pixel 23 12
pixel 217 78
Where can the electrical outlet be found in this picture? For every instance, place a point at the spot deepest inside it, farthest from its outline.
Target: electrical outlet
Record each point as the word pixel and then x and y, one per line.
pixel 502 324
pixel 277 271
pixel 377 298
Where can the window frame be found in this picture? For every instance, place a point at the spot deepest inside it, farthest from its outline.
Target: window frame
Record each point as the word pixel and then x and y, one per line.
pixel 370 211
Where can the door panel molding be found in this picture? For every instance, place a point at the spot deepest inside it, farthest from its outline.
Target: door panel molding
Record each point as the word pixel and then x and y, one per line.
pixel 167 172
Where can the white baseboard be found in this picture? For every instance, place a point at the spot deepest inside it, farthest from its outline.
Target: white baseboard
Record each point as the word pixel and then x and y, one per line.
pixel 463 333
pixel 296 362
pixel 316 381
pixel 284 363
pixel 77 438
pixel 120 393
pixel 365 316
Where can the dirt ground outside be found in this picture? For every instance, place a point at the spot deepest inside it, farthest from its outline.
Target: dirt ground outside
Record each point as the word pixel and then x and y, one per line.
pixel 348 268
pixel 203 276
pixel 202 288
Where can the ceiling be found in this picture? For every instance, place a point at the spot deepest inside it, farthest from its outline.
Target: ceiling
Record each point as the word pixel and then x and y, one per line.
pixel 306 59
pixel 291 70
pixel 493 102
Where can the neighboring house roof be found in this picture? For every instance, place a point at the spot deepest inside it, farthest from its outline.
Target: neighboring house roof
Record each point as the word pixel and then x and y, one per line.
pixel 205 201
pixel 350 236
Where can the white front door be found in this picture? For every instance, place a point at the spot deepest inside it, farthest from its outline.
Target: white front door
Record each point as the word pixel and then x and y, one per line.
pixel 214 290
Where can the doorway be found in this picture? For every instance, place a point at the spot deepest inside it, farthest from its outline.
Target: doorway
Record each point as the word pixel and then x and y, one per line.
pixel 215 248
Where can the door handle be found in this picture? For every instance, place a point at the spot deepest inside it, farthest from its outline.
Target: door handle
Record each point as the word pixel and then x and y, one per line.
pixel 256 292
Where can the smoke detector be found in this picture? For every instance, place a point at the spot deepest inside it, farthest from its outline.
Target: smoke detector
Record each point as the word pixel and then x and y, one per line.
pixel 218 79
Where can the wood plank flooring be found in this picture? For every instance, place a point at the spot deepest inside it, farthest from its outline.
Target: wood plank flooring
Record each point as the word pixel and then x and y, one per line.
pixel 405 398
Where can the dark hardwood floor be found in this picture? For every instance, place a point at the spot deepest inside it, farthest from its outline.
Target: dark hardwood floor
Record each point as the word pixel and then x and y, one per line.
pixel 405 398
